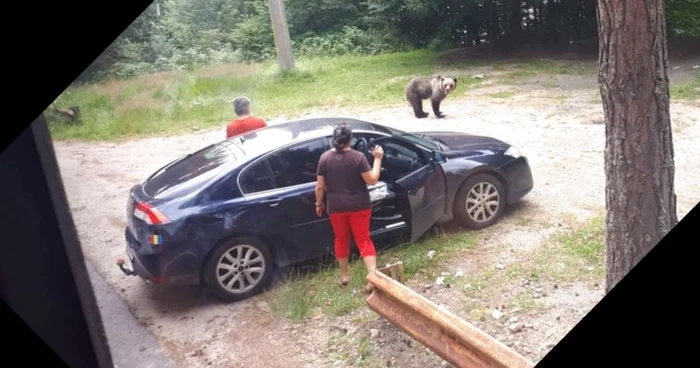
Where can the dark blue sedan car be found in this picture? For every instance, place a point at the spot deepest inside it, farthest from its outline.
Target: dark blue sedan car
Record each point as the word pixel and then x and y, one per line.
pixel 227 215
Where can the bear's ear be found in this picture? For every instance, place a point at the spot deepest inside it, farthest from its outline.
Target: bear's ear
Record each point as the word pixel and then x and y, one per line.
pixel 455 79
pixel 440 77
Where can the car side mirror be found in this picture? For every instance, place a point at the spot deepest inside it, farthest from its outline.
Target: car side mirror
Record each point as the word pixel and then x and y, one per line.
pixel 439 157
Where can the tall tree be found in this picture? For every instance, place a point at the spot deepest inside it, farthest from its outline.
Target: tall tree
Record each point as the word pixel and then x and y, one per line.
pixel 639 164
pixel 281 33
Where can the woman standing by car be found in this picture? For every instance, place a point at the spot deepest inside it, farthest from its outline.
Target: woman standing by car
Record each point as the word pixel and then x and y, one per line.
pixel 345 173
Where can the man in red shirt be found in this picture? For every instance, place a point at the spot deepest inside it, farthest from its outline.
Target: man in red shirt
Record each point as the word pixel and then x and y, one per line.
pixel 245 122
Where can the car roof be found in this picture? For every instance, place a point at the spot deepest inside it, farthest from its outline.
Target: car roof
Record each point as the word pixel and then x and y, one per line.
pixel 288 132
pixel 322 126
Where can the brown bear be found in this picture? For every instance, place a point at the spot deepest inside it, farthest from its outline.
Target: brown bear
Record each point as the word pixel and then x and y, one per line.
pixel 435 88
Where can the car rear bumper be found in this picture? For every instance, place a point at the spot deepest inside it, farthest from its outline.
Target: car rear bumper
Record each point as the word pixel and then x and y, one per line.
pixel 519 178
pixel 170 266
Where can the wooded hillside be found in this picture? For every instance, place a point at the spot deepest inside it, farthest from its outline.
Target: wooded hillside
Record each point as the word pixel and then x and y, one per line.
pixel 183 34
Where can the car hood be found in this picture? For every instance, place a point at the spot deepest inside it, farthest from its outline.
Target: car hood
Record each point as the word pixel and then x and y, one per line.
pixel 463 144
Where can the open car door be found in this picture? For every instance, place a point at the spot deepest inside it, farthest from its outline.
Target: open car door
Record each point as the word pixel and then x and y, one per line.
pixel 418 184
pixel 387 214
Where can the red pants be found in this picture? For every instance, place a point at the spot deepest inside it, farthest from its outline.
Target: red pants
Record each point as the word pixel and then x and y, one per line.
pixel 358 223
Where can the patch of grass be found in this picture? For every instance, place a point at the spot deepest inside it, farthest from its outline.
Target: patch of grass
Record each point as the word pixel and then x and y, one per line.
pixel 475 310
pixel 363 319
pixel 686 91
pixel 449 280
pixel 514 271
pixel 559 97
pixel 524 221
pixel 475 284
pixel 526 302
pixel 299 295
pixel 335 340
pixel 465 83
pixel 499 67
pixel 531 68
pixel 170 103
pixel 572 255
pixel 364 351
pixel 554 67
pixel 586 243
pixel 683 91
pixel 595 99
pixel 502 94
pixel 544 223
pixel 518 75
pixel 576 254
pixel 478 314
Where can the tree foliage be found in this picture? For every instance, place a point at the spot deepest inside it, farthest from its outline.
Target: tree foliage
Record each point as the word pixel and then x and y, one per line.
pixel 181 34
pixel 683 17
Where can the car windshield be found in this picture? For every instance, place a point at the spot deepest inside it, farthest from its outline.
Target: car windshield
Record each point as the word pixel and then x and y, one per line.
pixel 417 139
pixel 187 173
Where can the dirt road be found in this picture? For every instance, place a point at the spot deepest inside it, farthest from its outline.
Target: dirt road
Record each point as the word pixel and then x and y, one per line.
pixel 559 130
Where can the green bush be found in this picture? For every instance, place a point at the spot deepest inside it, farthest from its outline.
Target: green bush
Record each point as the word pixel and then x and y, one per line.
pixel 349 40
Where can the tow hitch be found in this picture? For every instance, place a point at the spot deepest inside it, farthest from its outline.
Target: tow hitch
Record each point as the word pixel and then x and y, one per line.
pixel 128 272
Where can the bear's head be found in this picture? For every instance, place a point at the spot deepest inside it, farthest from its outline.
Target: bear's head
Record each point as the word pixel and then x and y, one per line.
pixel 448 84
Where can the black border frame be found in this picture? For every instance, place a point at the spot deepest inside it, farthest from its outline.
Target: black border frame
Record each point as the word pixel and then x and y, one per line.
pixel 51 292
pixel 641 322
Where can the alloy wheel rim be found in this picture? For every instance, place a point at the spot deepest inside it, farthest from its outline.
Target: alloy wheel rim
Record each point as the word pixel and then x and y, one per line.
pixel 240 268
pixel 483 202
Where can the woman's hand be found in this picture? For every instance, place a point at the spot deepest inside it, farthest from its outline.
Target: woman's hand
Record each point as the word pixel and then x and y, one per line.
pixel 378 152
pixel 371 177
pixel 319 210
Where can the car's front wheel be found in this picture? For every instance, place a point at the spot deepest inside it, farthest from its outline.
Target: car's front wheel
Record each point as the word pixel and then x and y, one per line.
pixel 238 269
pixel 480 201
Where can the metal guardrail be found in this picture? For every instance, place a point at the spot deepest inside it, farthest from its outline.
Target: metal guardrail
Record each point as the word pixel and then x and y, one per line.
pixel 456 341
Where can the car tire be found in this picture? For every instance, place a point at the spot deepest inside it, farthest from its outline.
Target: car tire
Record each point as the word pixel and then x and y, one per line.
pixel 230 267
pixel 469 199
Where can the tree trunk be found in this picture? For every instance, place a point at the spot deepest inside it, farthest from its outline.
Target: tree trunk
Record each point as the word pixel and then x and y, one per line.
pixel 492 22
pixel 639 165
pixel 513 25
pixel 280 29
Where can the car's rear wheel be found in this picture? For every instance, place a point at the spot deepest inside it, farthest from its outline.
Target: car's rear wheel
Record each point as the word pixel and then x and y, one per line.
pixel 480 201
pixel 238 269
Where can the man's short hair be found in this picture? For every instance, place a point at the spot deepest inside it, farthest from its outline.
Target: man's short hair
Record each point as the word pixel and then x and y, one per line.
pixel 241 105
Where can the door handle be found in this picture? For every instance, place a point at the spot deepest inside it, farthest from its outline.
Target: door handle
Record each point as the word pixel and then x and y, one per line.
pixel 413 191
pixel 272 202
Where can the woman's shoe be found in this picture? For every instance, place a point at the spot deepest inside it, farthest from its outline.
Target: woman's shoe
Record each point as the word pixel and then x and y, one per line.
pixel 367 289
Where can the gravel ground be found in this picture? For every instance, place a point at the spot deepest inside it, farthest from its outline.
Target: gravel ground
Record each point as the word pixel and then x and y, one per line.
pixel 559 129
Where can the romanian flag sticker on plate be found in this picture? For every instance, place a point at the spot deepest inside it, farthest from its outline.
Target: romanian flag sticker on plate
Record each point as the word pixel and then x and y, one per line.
pixel 156 239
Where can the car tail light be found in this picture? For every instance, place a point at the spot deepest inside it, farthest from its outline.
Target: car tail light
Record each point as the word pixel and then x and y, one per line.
pixel 150 214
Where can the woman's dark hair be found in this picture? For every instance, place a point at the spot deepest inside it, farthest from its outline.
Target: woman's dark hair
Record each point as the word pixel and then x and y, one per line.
pixel 342 135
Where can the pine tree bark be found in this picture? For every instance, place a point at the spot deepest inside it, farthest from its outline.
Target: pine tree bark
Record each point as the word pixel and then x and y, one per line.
pixel 514 11
pixel 639 165
pixel 492 22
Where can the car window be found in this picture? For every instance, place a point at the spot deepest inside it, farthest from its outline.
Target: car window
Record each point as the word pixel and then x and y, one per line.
pixel 362 142
pixel 189 172
pixel 297 164
pixel 256 178
pixel 260 141
pixel 224 189
pixel 400 159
